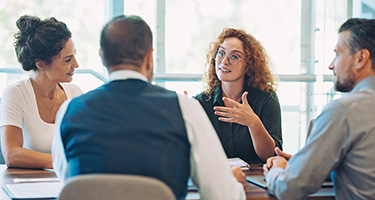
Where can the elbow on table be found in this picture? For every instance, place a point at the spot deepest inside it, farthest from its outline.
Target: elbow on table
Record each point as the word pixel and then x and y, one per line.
pixel 11 159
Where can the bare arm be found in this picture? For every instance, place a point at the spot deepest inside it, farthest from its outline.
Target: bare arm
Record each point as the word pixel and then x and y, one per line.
pixel 17 156
pixel 243 114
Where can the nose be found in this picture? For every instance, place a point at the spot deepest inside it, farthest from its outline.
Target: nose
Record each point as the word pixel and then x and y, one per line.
pixel 75 63
pixel 226 60
pixel 330 66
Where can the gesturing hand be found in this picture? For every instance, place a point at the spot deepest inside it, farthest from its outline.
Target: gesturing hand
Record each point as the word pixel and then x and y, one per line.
pixel 236 112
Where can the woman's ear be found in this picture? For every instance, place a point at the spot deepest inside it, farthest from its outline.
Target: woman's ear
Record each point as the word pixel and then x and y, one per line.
pixel 40 64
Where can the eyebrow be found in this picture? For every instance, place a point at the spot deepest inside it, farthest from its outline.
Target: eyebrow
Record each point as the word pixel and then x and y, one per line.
pixel 68 56
pixel 71 55
pixel 238 51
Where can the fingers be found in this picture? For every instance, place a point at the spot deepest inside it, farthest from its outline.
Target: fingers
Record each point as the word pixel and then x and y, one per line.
pixel 239 175
pixel 265 169
pixel 222 108
pixel 230 102
pixel 275 161
pixel 269 162
pixel 280 162
pixel 282 154
pixel 268 165
pixel 244 98
pixel 225 114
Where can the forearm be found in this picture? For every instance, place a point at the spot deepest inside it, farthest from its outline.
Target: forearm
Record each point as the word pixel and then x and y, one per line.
pixel 263 143
pixel 26 158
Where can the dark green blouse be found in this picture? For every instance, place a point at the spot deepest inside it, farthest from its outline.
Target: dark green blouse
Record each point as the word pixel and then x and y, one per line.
pixel 235 138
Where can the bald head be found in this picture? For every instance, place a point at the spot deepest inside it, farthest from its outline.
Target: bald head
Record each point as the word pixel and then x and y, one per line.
pixel 125 40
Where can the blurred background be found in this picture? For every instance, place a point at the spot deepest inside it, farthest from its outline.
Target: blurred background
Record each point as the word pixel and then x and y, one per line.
pixel 299 37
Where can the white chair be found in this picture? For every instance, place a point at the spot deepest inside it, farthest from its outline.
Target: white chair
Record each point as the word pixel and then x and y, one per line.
pixel 115 187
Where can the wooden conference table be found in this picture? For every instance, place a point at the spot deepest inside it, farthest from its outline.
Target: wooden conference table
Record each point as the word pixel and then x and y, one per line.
pixel 7 176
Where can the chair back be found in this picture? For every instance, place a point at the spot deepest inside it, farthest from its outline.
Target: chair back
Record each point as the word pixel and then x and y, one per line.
pixel 116 187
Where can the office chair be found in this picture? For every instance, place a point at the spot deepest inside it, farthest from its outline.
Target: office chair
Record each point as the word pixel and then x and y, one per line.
pixel 115 187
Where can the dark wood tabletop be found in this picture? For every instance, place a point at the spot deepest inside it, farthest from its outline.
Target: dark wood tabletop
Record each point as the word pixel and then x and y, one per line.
pixel 257 193
pixel 254 192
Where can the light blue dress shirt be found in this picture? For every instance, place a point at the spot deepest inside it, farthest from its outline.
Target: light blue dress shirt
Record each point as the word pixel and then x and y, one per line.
pixel 342 141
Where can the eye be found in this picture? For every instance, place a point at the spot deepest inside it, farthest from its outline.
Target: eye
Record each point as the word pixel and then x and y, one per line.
pixel 221 53
pixel 234 57
pixel 68 60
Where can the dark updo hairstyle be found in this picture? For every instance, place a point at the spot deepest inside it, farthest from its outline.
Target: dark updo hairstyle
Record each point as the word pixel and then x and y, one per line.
pixel 39 40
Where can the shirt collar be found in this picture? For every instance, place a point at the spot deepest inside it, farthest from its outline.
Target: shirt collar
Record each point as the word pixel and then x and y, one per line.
pixel 367 83
pixel 217 96
pixel 126 74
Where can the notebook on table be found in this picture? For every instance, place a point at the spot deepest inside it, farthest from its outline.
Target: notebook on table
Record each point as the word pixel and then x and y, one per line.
pixel 238 162
pixel 233 162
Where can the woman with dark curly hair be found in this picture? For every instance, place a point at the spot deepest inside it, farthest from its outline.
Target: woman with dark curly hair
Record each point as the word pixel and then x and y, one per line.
pixel 29 107
pixel 240 97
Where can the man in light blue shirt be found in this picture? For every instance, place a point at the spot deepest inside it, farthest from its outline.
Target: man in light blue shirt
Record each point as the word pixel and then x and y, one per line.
pixel 342 139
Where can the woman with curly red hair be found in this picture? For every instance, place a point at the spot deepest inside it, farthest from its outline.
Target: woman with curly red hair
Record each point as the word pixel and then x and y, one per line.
pixel 240 97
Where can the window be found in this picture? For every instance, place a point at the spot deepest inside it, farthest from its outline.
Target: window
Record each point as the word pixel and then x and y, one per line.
pixel 84 18
pixel 299 37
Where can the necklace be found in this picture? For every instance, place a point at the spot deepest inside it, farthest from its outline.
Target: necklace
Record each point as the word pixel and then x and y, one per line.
pixel 51 109
pixel 46 101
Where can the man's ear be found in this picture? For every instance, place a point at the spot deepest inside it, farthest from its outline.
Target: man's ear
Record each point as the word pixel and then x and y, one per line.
pixel 40 64
pixel 362 58
pixel 149 64
pixel 101 56
pixel 150 59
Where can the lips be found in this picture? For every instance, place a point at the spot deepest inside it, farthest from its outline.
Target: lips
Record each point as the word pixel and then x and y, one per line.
pixel 224 70
pixel 71 73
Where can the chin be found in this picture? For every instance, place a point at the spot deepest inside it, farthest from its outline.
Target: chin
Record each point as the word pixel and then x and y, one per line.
pixel 67 80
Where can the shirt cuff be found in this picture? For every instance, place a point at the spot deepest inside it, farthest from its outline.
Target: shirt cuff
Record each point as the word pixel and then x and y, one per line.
pixel 271 177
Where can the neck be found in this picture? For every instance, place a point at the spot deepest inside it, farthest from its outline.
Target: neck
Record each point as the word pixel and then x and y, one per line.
pixel 141 69
pixel 43 86
pixel 232 90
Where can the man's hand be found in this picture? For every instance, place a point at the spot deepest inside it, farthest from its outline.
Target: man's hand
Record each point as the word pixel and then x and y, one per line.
pixel 275 161
pixel 281 160
pixel 239 175
pixel 280 153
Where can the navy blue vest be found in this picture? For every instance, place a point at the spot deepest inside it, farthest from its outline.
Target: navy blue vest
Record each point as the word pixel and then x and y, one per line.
pixel 128 127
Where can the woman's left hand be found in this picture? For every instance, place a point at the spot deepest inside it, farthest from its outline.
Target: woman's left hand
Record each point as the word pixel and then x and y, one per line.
pixel 236 112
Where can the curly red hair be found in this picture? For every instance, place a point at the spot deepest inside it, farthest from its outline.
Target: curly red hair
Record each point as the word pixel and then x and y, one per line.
pixel 258 74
